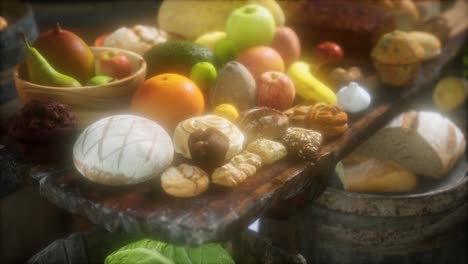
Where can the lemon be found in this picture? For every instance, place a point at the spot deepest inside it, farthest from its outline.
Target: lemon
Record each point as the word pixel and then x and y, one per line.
pixel 227 111
pixel 449 93
pixel 203 74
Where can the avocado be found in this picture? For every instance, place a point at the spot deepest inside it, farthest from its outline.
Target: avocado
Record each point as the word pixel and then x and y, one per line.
pixel 176 56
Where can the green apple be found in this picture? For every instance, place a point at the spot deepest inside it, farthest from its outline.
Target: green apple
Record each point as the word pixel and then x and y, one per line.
pixel 210 39
pixel 250 25
pixel 99 80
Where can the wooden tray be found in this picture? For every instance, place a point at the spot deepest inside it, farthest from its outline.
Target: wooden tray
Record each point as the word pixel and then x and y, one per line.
pixel 217 214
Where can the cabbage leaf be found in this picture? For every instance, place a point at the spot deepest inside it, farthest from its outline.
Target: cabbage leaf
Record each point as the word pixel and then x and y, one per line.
pixel 137 252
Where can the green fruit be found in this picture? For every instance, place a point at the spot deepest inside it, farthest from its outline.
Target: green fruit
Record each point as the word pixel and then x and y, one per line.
pixel 99 79
pixel 176 56
pixel 203 74
pixel 40 71
pixel 225 50
pixel 249 26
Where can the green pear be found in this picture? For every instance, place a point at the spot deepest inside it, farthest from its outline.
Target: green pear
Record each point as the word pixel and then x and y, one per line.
pixel 40 71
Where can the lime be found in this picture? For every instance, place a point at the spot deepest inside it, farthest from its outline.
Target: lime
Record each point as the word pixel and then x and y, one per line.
pixel 99 79
pixel 449 93
pixel 204 74
pixel 225 50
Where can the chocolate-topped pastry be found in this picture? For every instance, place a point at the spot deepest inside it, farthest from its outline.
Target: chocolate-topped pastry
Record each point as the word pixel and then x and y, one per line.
pixel 208 148
pixel 262 122
pixel 302 143
pixel 44 131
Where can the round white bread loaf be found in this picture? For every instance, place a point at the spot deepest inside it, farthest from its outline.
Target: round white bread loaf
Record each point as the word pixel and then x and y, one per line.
pixel 188 126
pixel 122 150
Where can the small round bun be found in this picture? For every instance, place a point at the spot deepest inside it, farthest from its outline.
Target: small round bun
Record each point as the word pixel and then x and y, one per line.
pixel 184 181
pixel 123 150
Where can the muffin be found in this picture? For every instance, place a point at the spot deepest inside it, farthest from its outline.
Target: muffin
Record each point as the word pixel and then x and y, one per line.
pixel 397 57
pixel 44 131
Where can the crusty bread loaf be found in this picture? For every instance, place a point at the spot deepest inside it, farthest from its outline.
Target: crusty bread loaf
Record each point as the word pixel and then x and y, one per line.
pixel 427 143
pixel 366 174
pixel 122 149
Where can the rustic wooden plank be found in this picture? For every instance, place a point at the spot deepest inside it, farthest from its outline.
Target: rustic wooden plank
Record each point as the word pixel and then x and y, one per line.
pixel 218 213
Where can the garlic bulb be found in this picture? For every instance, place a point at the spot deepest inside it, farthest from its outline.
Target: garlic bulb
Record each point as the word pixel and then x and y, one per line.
pixel 353 98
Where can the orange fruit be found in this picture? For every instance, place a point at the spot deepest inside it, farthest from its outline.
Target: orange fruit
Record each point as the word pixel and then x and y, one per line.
pixel 168 99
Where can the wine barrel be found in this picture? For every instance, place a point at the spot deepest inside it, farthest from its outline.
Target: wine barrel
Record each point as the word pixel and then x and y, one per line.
pixel 427 226
pixel 20 19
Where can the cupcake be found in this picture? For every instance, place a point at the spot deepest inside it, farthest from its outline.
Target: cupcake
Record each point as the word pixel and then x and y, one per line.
pixel 44 131
pixel 397 58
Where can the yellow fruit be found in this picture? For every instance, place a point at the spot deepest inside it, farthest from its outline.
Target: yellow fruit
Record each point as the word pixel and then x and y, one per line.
pixel 307 86
pixel 227 111
pixel 449 93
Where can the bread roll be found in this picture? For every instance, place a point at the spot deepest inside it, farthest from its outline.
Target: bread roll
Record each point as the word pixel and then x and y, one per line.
pixel 188 126
pixel 430 44
pixel 303 143
pixel 270 151
pixel 184 181
pixel 366 174
pixel 262 122
pixel 427 143
pixel 122 149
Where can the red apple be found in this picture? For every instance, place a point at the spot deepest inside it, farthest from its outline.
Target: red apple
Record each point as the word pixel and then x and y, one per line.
pixel 261 59
pixel 328 52
pixel 287 44
pixel 113 64
pixel 275 90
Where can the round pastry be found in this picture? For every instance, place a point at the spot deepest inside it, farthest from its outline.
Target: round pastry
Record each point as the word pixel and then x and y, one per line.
pixel 297 114
pixel 302 143
pixel 123 150
pixel 208 148
pixel 44 131
pixel 185 128
pixel 263 122
pixel 430 44
pixel 397 58
pixel 184 181
pixel 329 120
pixel 270 151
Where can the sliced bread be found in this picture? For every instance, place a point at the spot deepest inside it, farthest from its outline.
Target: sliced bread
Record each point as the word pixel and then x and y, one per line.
pixel 427 143
pixel 366 174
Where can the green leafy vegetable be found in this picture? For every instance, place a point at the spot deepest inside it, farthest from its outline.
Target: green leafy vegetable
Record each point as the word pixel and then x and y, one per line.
pixel 137 255
pixel 151 251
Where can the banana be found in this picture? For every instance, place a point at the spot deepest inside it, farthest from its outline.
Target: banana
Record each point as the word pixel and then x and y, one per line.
pixel 307 86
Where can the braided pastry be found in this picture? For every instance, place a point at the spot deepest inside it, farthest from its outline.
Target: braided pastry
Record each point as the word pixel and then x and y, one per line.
pixel 329 120
pixel 237 170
